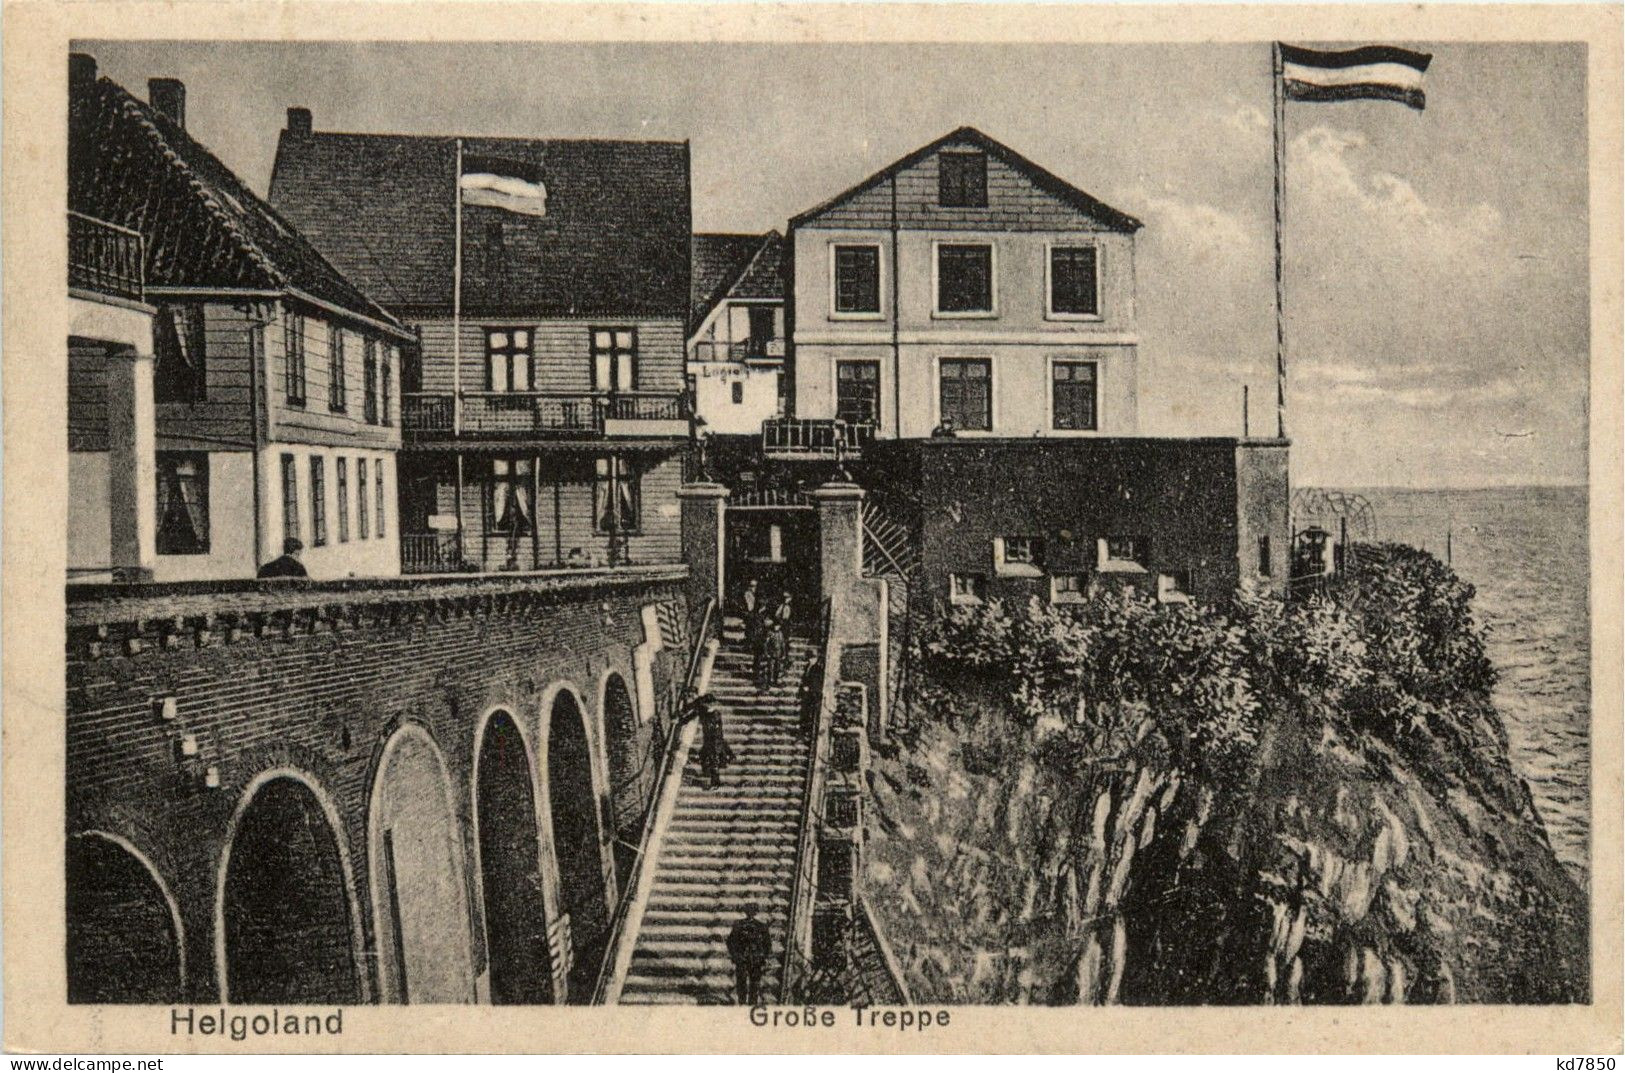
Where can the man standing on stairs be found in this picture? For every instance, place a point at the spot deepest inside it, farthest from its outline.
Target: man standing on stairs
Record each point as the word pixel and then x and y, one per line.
pixel 714 751
pixel 749 945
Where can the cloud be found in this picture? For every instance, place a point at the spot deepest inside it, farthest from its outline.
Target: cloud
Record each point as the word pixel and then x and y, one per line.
pixel 1246 119
pixel 1196 225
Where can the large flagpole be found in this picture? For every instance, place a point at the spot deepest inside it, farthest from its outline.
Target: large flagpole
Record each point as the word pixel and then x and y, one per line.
pixel 1279 101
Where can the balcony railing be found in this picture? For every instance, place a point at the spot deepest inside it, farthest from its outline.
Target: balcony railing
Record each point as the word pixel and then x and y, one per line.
pixel 747 350
pixel 815 436
pixel 105 258
pixel 527 414
pixel 431 553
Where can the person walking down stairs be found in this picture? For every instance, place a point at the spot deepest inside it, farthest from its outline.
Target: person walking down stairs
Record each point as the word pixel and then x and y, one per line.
pixel 749 945
pixel 714 751
pixel 726 848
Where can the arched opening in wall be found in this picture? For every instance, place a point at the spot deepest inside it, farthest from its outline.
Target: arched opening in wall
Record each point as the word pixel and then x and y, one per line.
pixel 285 908
pixel 510 870
pixel 630 775
pixel 123 942
pixel 419 906
pixel 576 843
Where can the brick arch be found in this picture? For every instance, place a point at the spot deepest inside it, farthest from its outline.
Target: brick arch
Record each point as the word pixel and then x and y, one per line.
pixel 572 771
pixel 627 762
pixel 415 866
pixel 125 938
pixel 508 861
pixel 276 921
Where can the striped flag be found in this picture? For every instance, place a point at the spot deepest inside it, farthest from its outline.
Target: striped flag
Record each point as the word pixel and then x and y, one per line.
pixel 503 184
pixel 1375 72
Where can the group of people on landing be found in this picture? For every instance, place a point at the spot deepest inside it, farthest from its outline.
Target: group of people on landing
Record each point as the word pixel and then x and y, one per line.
pixel 767 633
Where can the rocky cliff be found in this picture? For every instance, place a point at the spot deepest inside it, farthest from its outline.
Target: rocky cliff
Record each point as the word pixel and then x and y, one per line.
pixel 1274 802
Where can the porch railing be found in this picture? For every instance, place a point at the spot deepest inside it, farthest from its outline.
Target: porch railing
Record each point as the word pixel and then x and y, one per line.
pixel 431 553
pixel 486 414
pixel 105 258
pixel 816 436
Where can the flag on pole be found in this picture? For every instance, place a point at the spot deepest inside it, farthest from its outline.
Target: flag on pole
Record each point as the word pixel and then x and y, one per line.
pixel 1375 72
pixel 503 184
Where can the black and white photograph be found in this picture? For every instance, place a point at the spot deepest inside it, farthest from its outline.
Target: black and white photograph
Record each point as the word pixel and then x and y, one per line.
pixel 823 525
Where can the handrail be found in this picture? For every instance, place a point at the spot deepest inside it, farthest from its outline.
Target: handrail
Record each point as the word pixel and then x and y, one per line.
pixel 802 889
pixel 617 928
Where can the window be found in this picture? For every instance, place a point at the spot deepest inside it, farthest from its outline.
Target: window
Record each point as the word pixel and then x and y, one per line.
pixel 378 491
pixel 614 359
pixel 361 498
pixel 738 392
pixel 290 498
pixel 1124 554
pixel 341 483
pixel 967 397
pixel 964 278
pixel 857 279
pixel 1018 555
pixel 386 375
pixel 1174 588
pixel 857 392
pixel 967 588
pixel 616 484
pixel 962 180
pixel 1074 281
pixel 183 503
pixel 1264 565
pixel 510 505
pixel 178 338
pixel 1068 588
pixel 318 503
pixel 1072 384
pixel 508 360
pixel 369 382
pixel 336 400
pixel 293 335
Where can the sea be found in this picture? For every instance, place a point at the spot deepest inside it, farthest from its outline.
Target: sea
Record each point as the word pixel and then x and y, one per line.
pixel 1525 550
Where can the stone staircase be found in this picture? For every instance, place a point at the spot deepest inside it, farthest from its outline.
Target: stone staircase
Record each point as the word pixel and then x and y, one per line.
pixel 726 847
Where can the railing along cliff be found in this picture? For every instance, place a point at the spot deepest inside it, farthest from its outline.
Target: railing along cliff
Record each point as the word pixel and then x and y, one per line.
pixel 669 749
pixel 804 886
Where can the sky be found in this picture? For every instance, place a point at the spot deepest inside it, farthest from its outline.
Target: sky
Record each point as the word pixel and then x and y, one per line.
pixel 1435 261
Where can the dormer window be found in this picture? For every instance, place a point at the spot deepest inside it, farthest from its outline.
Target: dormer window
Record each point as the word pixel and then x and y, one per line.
pixel 962 180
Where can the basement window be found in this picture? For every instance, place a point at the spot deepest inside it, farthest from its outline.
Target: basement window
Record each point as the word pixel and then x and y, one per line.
pixel 1068 588
pixel 1018 556
pixel 1174 587
pixel 1123 554
pixel 967 588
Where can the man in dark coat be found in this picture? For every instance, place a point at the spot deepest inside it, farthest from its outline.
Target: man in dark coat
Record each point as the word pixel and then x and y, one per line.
pixel 809 696
pixel 287 564
pixel 750 946
pixel 714 751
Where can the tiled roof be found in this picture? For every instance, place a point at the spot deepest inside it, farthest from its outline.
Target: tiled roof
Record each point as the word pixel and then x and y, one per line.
pixel 614 240
pixel 734 266
pixel 1044 179
pixel 128 164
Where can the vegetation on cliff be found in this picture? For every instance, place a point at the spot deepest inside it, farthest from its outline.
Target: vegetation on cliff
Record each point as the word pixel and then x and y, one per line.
pixel 1307 801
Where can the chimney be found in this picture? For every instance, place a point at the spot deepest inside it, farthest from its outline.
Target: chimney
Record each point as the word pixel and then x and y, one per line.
pixel 168 96
pixel 81 68
pixel 298 120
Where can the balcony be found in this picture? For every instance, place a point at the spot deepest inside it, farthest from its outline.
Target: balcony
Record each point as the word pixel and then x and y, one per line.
pixel 747 350
pixel 815 437
pixel 541 415
pixel 105 258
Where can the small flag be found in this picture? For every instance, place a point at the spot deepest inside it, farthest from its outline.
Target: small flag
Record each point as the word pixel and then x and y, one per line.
pixel 1375 72
pixel 503 184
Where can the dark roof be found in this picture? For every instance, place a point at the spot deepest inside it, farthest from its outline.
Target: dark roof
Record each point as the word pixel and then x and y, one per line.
pixel 130 165
pixel 614 240
pixel 1046 180
pixel 735 266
